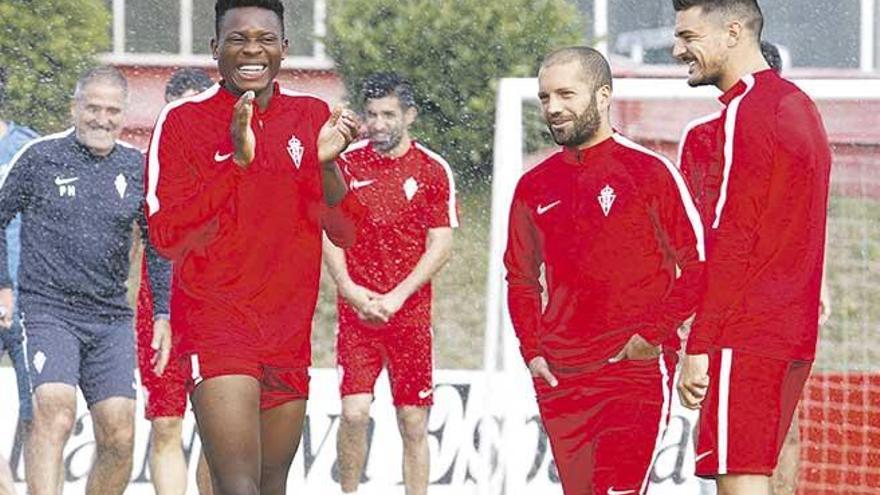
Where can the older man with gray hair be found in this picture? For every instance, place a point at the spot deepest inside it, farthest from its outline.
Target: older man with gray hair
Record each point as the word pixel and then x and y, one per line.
pixel 80 194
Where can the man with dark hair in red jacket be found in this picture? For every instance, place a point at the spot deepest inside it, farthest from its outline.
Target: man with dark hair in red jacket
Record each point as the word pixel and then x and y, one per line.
pixel 753 341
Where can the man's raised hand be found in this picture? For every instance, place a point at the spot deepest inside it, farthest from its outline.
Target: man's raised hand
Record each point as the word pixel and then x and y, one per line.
pixel 242 135
pixel 336 134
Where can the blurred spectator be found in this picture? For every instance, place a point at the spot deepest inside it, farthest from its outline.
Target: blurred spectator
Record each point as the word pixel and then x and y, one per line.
pixel 187 82
pixel 12 138
pixel 771 55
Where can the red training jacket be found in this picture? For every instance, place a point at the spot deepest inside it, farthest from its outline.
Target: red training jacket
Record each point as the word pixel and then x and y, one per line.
pixel 766 238
pixel 246 245
pixel 406 197
pixel 610 224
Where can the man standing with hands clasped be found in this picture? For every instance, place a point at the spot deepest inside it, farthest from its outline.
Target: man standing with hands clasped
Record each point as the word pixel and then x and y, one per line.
pixel 384 280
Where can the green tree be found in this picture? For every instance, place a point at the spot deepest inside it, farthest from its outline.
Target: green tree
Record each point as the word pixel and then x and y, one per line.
pixel 44 46
pixel 453 52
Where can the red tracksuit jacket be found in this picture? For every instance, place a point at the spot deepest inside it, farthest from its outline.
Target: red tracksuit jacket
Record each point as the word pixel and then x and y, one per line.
pixel 246 245
pixel 610 224
pixel 762 169
pixel 405 196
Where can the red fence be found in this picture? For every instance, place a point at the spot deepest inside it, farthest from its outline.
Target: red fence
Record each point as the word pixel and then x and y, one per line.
pixel 840 435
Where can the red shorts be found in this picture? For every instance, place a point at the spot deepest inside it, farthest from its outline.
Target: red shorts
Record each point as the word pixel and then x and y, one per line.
pixel 164 396
pixel 605 426
pixel 747 413
pixel 362 351
pixel 278 384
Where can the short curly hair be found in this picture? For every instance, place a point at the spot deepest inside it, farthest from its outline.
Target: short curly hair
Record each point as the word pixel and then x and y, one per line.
pixel 222 6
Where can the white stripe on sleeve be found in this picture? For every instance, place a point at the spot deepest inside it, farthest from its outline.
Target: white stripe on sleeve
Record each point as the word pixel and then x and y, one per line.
pixel 27 146
pixel 453 214
pixel 153 157
pixel 689 207
pixel 729 129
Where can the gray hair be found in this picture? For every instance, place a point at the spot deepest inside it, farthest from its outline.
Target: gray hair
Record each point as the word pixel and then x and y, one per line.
pixel 104 73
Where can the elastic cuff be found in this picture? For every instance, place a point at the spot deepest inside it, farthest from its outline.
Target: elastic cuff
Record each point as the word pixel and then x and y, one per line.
pixel 529 354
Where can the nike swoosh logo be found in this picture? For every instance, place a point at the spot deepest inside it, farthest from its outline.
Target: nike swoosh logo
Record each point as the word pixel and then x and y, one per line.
pixel 61 182
pixel 612 491
pixel 424 394
pixel 704 454
pixel 221 158
pixel 357 184
pixel 545 208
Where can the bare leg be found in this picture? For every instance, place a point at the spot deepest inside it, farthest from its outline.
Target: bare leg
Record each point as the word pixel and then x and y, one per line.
pixel 228 414
pixel 7 485
pixel 113 421
pixel 54 415
pixel 280 431
pixel 785 476
pixel 167 465
pixel 351 441
pixel 743 484
pixel 413 424
pixel 203 476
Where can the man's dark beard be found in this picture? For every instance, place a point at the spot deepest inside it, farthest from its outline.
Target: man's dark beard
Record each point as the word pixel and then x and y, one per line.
pixel 585 127
pixel 705 80
pixel 394 139
pixel 707 77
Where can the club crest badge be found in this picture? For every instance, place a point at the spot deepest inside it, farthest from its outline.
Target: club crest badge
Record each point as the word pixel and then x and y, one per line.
pixel 121 185
pixel 295 150
pixel 606 199
pixel 409 188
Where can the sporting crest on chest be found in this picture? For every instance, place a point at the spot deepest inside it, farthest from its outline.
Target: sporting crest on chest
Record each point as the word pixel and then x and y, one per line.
pixel 295 150
pixel 410 186
pixel 606 199
pixel 121 185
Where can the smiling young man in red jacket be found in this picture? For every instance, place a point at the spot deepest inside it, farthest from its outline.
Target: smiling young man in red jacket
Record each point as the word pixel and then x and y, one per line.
pixel 241 183
pixel 610 222
pixel 753 341
pixel 701 164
